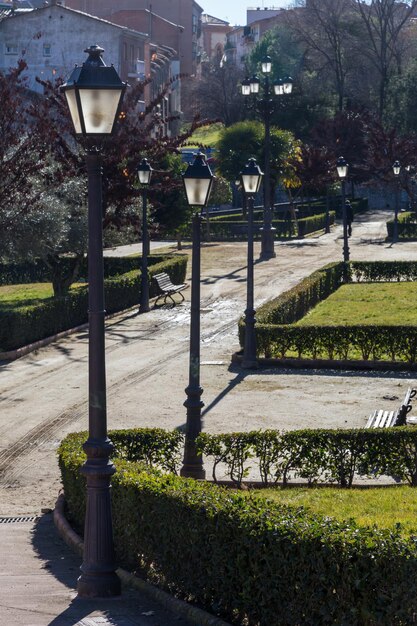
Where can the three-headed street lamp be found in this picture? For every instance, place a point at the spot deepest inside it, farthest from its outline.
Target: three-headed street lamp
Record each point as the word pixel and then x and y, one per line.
pixel 396 168
pixel 144 176
pixel 342 171
pixel 265 106
pixel 250 178
pixel 198 180
pixel 94 93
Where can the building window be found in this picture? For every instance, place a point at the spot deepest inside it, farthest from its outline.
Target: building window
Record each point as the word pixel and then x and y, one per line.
pixel 132 53
pixel 125 51
pixel 195 23
pixel 46 49
pixel 11 48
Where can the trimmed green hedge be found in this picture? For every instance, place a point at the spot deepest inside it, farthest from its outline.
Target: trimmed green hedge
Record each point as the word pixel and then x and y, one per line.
pixel 317 456
pixel 230 230
pixel 247 559
pixel 277 337
pixel 38 272
pixel 407 226
pixel 31 323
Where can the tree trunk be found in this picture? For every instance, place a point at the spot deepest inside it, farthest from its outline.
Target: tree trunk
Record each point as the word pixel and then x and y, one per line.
pixel 64 272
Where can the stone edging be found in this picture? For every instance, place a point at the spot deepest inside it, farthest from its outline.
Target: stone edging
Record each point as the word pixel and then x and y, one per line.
pixel 323 364
pixel 193 614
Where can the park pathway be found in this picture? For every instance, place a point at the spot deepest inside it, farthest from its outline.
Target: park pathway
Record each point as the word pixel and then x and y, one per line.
pixel 43 395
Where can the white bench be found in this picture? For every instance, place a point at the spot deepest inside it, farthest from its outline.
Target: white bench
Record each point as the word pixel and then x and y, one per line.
pixel 167 288
pixel 386 419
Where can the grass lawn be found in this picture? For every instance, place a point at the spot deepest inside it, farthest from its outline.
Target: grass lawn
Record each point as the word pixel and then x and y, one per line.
pixel 366 303
pixel 383 507
pixel 14 296
pixel 206 135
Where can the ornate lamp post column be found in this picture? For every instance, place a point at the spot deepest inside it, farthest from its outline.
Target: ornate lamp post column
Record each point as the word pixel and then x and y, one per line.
pixel 396 168
pixel 144 175
pixel 342 171
pixel 94 94
pixel 197 180
pixel 250 177
pixel 265 106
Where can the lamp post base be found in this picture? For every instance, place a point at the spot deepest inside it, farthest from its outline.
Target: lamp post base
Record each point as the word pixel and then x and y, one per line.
pixel 267 244
pixel 250 364
pixel 96 586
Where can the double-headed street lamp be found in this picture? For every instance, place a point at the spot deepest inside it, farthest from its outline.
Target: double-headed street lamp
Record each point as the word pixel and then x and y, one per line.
pixel 198 180
pixel 94 94
pixel 250 178
pixel 144 175
pixel 265 106
pixel 396 168
pixel 342 171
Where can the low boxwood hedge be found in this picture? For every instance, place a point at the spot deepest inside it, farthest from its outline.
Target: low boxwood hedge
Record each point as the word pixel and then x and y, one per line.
pixel 277 337
pixel 229 229
pixel 247 559
pixel 407 226
pixel 32 323
pixel 316 456
pixel 37 271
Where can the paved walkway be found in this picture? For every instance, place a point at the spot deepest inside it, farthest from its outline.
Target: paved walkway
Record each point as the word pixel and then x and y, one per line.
pixel 43 396
pixel 38 578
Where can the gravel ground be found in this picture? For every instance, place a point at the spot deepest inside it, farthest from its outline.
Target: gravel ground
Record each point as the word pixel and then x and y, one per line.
pixel 43 396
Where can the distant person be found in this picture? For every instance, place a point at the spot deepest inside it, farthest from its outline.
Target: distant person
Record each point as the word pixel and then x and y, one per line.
pixel 349 217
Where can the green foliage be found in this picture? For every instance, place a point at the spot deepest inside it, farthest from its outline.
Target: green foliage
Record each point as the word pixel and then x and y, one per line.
pixel 230 227
pixel 249 559
pixel 277 336
pixel 236 145
pixel 221 192
pixel 27 324
pixel 407 226
pixel 155 447
pixel 205 136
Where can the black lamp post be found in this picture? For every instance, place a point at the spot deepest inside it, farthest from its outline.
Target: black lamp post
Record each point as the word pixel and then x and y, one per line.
pixel 144 175
pixel 265 106
pixel 197 180
pixel 94 93
pixel 250 177
pixel 396 168
pixel 342 171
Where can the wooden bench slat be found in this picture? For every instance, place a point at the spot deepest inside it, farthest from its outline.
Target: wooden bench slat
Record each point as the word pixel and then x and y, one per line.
pixel 378 418
pixel 386 419
pixel 392 419
pixel 167 288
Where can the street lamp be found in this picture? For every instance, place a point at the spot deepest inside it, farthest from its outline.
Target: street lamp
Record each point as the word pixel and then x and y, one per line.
pixel 94 94
pixel 197 180
pixel 342 171
pixel 396 168
pixel 144 175
pixel 265 106
pixel 250 177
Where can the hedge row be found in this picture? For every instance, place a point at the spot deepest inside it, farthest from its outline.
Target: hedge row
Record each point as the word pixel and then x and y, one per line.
pixel 407 226
pixel 31 323
pixel 229 230
pixel 37 271
pixel 247 559
pixel 277 337
pixel 321 455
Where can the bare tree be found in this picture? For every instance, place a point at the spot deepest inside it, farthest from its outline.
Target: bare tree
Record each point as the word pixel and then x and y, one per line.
pixel 385 22
pixel 327 29
pixel 217 93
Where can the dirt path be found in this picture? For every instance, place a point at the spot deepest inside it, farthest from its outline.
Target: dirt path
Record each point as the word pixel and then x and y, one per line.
pixel 43 396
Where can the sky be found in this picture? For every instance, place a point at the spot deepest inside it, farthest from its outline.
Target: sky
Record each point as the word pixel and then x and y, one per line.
pixel 234 11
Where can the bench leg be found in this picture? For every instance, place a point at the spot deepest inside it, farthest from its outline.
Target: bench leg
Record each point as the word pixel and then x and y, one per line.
pixel 168 295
